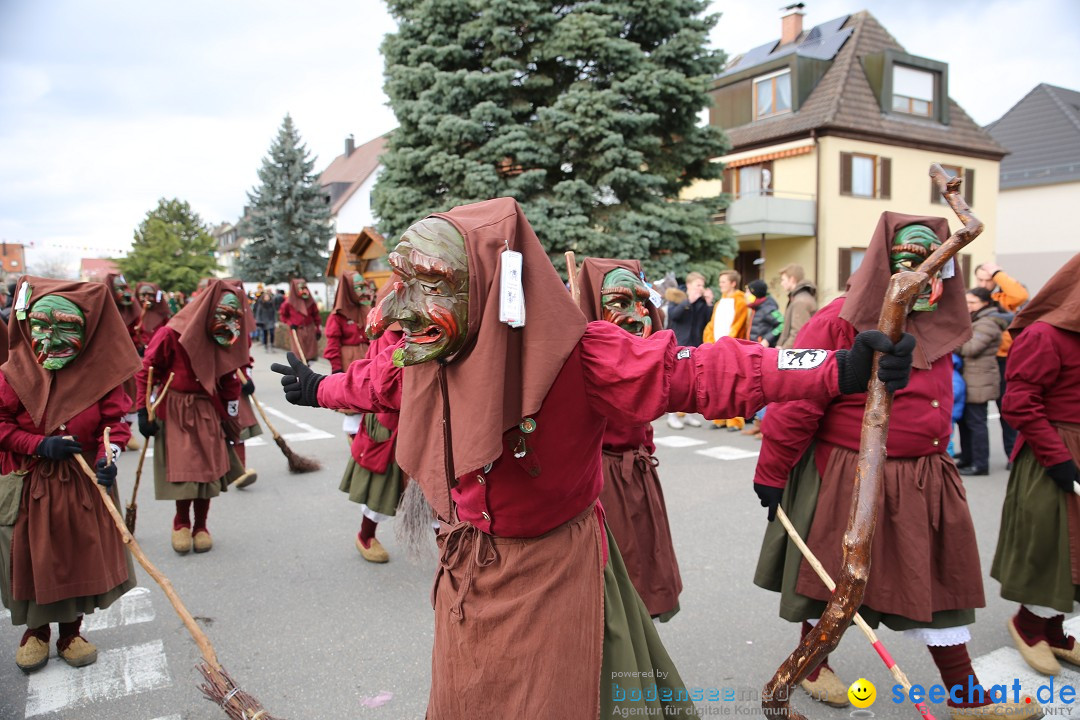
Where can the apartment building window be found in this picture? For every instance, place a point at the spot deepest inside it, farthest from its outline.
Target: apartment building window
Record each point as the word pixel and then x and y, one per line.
pixel 913 91
pixel 749 180
pixel 850 260
pixel 864 175
pixel 772 94
pixel 967 184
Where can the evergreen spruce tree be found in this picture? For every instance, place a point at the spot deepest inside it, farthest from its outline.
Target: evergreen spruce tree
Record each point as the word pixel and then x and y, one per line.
pixel 172 248
pixel 287 228
pixel 585 112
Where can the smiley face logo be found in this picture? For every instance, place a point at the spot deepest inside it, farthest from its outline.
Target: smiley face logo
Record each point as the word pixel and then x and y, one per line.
pixel 862 693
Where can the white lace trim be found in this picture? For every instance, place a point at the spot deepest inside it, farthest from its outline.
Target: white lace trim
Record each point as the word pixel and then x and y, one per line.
pixel 372 515
pixel 940 637
pixel 1042 611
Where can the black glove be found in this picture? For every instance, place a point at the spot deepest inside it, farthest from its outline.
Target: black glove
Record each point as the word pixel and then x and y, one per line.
pixel 106 475
pixel 1064 474
pixel 294 327
pixel 248 388
pixel 856 365
pixel 147 427
pixel 300 382
pixel 770 498
pixel 318 334
pixel 339 370
pixel 57 447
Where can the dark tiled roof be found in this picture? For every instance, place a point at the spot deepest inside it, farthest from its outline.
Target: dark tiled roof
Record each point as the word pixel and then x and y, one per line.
pixel 353 169
pixel 1042 133
pixel 843 103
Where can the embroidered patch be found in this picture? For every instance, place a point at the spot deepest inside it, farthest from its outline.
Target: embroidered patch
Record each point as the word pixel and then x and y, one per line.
pixel 800 359
pixel 683 354
pixel 233 408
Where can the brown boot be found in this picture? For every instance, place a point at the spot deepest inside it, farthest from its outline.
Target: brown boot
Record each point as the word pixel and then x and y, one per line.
pixel 72 647
pixel 374 552
pixel 33 650
pixel 202 540
pixel 181 540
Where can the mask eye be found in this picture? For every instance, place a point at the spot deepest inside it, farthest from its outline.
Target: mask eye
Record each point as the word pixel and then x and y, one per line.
pixel 431 288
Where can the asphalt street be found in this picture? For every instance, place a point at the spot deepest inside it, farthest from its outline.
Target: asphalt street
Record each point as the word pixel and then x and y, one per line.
pixel 308 627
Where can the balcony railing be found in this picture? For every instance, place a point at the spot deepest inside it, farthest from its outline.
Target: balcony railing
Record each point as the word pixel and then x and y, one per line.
pixel 784 214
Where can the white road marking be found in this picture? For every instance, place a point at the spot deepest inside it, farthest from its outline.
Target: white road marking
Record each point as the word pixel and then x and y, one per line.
pixel 169 717
pixel 310 432
pixel 1004 666
pixel 726 452
pixel 677 441
pixel 134 607
pixel 117 672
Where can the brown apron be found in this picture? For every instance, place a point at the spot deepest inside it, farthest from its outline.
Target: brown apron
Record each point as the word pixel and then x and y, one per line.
pixel 925 558
pixel 195 442
pixel 634 507
pixel 350 353
pixel 519 623
pixel 64 544
pixel 308 342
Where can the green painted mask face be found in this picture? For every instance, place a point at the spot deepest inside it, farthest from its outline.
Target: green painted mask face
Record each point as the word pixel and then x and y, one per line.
pixel 429 293
pixel 302 290
pixel 57 331
pixel 911 246
pixel 225 323
pixel 146 294
pixel 121 290
pixel 365 292
pixel 623 297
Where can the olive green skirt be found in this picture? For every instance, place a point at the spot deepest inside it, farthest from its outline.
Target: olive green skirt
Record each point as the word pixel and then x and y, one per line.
pixel 1032 561
pixel 165 490
pixel 380 492
pixel 28 612
pixel 636 674
pixel 779 561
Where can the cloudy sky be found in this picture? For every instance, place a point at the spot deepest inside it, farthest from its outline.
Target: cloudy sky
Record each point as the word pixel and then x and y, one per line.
pixel 106 107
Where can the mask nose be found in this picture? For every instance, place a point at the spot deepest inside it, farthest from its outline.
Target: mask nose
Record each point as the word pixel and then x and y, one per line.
pixel 391 309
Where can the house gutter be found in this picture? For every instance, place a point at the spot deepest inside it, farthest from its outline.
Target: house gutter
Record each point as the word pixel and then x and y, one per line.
pixel 817 203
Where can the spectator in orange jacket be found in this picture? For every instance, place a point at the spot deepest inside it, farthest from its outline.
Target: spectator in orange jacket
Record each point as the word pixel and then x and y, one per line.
pixel 730 319
pixel 1010 295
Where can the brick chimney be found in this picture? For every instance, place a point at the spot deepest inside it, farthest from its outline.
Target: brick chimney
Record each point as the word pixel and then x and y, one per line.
pixel 350 145
pixel 791 24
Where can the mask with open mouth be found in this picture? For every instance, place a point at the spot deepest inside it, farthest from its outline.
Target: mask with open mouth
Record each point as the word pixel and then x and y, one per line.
pixel 57 331
pixel 623 297
pixel 225 322
pixel 911 246
pixel 302 290
pixel 429 293
pixel 146 294
pixel 121 291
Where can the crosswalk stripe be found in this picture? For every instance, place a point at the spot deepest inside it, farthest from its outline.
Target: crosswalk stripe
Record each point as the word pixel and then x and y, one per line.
pixel 169 717
pixel 726 452
pixel 677 441
pixel 1004 666
pixel 117 672
pixel 134 607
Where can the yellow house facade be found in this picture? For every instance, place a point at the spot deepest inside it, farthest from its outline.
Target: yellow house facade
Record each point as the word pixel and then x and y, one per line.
pixel 824 140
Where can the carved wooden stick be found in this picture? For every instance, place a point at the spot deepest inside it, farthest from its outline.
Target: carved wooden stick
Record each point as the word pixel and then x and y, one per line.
pixel 571 276
pixel 299 347
pixel 904 287
pixel 822 573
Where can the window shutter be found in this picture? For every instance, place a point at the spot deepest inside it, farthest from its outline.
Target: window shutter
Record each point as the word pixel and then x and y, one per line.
pixel 729 181
pixel 845 175
pixel 885 168
pixel 845 267
pixel 969 186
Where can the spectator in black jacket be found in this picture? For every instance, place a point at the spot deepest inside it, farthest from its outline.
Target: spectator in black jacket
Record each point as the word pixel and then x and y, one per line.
pixel 767 321
pixel 688 319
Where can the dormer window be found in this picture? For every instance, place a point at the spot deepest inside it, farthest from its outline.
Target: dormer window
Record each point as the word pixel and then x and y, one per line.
pixel 772 94
pixel 913 91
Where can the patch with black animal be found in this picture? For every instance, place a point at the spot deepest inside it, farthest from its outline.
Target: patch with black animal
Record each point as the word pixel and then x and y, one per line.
pixel 683 354
pixel 800 359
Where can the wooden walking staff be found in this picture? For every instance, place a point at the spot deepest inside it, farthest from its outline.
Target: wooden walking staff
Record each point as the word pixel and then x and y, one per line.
pixel 221 688
pixel 903 289
pixel 297 463
pixel 299 347
pixel 571 275
pixel 132 510
pixel 822 573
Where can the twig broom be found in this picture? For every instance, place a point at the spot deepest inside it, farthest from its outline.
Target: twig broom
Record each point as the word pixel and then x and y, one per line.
pixel 132 510
pixel 219 686
pixel 297 463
